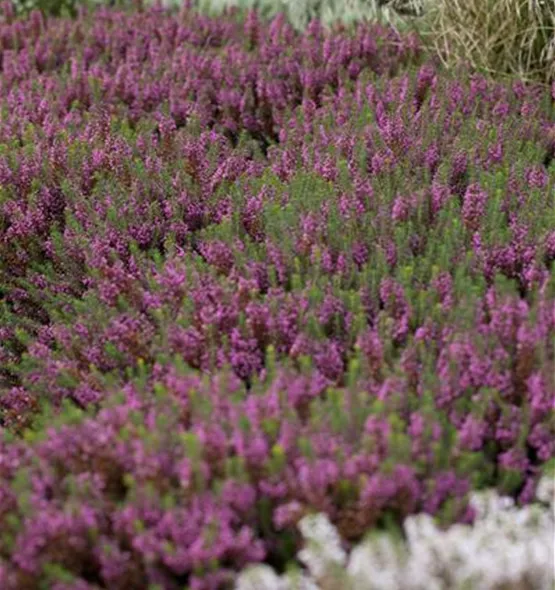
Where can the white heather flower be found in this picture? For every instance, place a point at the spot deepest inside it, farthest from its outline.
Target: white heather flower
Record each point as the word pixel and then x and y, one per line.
pixel 489 502
pixel 299 581
pixel 507 547
pixel 259 577
pixel 546 490
pixel 263 577
pixel 377 563
pixel 323 551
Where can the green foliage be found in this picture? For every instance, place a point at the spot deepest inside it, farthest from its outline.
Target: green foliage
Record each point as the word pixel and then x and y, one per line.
pixel 54 8
pixel 399 13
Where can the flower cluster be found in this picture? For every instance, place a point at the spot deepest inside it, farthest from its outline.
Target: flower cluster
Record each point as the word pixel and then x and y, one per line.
pixel 248 274
pixel 507 547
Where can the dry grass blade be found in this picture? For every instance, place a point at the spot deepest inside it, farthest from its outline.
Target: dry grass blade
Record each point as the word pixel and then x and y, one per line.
pixel 498 36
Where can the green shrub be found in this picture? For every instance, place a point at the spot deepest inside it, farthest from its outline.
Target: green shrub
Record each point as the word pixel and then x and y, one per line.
pixel 51 7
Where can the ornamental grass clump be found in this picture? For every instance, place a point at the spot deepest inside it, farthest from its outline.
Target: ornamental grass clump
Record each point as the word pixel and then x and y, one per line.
pixel 499 37
pixel 249 274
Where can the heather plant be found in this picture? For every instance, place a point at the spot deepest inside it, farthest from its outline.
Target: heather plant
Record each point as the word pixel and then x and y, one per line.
pixel 186 479
pixel 507 547
pixel 248 274
pixel 508 38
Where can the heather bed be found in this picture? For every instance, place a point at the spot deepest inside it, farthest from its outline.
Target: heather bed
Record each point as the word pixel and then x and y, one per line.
pixel 248 274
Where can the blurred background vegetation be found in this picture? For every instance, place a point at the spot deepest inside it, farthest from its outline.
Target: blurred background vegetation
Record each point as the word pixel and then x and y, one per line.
pixel 499 38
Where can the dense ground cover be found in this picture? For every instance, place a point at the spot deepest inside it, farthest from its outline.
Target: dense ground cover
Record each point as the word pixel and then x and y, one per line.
pixel 248 274
pixel 498 37
pixel 507 547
